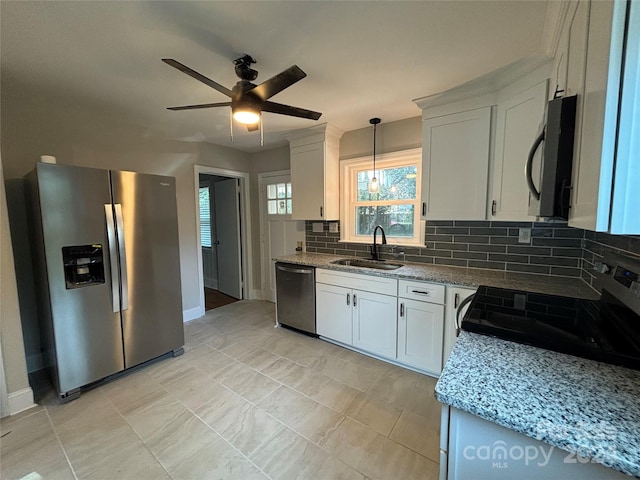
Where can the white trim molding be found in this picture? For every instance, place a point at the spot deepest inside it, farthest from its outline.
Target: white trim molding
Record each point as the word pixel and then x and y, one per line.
pixel 20 400
pixel 192 313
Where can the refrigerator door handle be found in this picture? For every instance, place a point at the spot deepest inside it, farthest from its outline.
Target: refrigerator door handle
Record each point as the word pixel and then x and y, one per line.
pixel 113 257
pixel 124 302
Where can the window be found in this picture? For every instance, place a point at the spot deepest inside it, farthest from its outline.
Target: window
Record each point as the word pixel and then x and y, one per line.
pixel 205 216
pixel 279 198
pixel 396 205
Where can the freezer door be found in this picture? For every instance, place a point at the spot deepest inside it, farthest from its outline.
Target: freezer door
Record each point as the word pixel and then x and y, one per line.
pixel 147 226
pixel 86 334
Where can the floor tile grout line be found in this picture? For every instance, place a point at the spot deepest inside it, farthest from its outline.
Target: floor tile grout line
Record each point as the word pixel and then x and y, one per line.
pixel 64 450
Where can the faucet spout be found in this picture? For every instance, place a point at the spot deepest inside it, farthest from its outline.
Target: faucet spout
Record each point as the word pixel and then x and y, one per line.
pixel 374 247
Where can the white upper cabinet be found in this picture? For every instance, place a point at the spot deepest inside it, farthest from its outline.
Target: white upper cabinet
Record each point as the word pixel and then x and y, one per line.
pixel 597 112
pixel 519 120
pixel 455 150
pixel 315 173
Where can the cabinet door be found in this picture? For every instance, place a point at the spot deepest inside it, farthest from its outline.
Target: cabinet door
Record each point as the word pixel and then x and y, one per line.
pixel 420 329
pixel 333 312
pixel 455 151
pixel 307 182
pixel 518 123
pixel 374 323
pixel 455 295
pixel 597 117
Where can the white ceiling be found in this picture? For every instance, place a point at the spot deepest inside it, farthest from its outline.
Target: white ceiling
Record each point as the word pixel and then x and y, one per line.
pixel 362 58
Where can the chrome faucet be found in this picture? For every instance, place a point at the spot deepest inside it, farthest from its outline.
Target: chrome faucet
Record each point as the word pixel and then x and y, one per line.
pixel 374 247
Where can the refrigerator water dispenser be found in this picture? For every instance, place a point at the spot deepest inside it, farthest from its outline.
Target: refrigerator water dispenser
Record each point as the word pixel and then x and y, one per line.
pixel 83 265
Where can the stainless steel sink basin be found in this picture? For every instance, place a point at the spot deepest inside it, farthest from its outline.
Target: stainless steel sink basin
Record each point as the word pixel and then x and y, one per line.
pixel 357 262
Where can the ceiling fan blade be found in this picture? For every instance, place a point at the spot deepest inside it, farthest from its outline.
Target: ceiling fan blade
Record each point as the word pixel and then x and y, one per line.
pixel 197 76
pixel 254 127
pixel 289 110
pixel 203 105
pixel 276 84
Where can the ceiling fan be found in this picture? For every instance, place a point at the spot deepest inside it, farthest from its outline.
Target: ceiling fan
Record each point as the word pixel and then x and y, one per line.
pixel 247 99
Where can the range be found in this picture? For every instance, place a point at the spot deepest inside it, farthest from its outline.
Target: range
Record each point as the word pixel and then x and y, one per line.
pixel 606 330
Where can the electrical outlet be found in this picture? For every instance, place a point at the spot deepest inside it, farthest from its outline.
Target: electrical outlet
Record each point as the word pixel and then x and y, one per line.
pixel 519 301
pixel 334 227
pixel 524 235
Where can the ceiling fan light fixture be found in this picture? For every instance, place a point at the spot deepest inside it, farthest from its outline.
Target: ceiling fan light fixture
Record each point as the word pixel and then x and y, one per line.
pixel 246 115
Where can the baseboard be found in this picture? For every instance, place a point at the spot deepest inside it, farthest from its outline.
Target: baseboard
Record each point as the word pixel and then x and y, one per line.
pixel 255 295
pixel 192 313
pixel 211 283
pixel 20 400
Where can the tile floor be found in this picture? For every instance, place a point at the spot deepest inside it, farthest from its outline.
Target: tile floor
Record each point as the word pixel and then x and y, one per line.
pixel 245 401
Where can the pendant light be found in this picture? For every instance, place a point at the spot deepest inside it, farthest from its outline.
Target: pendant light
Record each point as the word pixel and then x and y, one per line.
pixel 374 186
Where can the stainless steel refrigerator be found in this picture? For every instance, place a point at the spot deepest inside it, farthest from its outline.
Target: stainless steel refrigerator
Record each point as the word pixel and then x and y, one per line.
pixel 108 270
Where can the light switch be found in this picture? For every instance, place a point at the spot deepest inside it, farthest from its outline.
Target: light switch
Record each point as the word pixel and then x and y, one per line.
pixel 334 227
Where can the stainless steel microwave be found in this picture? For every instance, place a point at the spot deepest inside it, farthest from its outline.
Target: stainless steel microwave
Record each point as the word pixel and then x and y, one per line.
pixel 549 182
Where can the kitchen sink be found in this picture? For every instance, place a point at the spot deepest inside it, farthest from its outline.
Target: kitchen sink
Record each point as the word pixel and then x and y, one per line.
pixel 377 264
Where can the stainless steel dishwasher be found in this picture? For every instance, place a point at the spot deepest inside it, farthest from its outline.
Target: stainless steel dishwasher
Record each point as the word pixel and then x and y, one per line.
pixel 296 296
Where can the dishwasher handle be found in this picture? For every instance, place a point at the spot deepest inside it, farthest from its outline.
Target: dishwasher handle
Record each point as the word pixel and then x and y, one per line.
pixel 294 270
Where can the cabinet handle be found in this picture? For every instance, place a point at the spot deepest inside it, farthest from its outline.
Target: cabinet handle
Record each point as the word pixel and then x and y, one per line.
pixel 355 300
pixel 424 208
pixel 421 292
pixel 402 309
pixel 494 206
pixel 456 300
pixel 320 212
pixel 348 298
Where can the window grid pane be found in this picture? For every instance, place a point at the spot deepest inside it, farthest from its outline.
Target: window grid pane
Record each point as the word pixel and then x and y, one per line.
pixel 279 199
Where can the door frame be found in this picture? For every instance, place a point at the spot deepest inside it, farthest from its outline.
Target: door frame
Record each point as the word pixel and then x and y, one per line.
pixel 264 260
pixel 245 228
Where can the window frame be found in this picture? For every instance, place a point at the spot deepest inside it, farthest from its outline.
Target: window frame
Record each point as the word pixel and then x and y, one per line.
pixel 348 188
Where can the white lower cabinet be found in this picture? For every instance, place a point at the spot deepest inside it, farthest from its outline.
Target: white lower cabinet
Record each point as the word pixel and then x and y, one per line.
pixel 420 329
pixel 399 320
pixel 374 323
pixel 333 312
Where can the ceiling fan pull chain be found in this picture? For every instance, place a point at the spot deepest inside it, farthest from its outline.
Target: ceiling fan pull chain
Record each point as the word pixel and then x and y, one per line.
pixel 261 133
pixel 231 124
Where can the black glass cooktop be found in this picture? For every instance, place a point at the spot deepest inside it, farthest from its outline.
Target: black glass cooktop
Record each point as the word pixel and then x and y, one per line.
pixel 604 330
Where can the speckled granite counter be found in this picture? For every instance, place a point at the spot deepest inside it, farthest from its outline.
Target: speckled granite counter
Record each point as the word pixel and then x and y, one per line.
pixel 582 406
pixel 468 277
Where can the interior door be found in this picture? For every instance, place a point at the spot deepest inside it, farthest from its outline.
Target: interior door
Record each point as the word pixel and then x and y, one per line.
pixel 226 203
pixel 280 234
pixel 151 287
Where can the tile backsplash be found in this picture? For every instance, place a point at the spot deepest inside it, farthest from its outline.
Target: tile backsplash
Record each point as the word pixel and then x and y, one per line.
pixel 554 247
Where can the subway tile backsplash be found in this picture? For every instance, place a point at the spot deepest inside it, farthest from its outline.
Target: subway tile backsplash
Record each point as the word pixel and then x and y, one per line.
pixel 554 248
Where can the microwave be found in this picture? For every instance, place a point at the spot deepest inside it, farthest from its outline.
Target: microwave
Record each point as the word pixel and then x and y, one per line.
pixel 549 180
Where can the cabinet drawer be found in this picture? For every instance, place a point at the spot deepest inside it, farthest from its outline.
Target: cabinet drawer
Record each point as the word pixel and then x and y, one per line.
pixel 369 283
pixel 425 292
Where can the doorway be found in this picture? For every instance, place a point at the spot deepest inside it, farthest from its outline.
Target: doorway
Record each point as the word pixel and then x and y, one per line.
pixel 224 249
pixel 280 234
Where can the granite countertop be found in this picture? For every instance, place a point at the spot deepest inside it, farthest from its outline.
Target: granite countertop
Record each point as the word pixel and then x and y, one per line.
pixel 582 406
pixel 460 276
